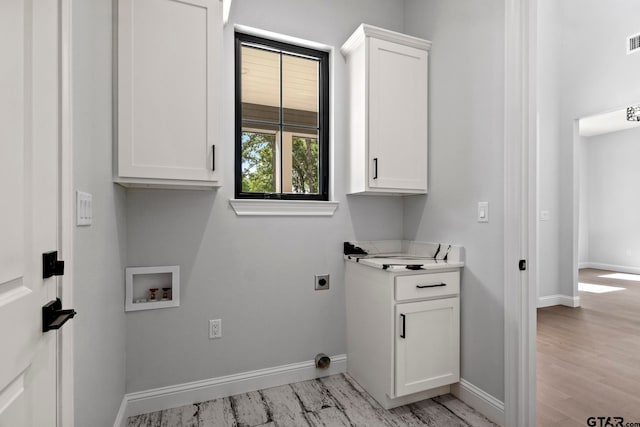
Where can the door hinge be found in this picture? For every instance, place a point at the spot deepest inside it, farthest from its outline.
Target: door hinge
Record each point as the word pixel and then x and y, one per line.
pixel 51 266
pixel 522 264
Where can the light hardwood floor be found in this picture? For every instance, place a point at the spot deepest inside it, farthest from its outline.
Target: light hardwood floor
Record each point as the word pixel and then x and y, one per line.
pixel 589 357
pixel 332 401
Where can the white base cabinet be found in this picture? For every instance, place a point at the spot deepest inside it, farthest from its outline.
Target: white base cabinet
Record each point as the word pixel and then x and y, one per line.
pixel 388 112
pixel 403 332
pixel 168 84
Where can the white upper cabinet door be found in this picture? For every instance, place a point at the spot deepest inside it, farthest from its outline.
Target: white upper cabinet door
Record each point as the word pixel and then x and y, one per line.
pixel 397 116
pixel 427 345
pixel 169 79
pixel 388 98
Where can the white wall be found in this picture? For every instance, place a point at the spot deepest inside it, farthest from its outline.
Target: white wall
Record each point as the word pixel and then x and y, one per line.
pixel 612 177
pixel 466 84
pixel 256 274
pixel 100 250
pixel 595 75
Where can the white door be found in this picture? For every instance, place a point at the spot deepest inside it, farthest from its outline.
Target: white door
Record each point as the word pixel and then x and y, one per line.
pixel 427 345
pixel 29 192
pixel 397 116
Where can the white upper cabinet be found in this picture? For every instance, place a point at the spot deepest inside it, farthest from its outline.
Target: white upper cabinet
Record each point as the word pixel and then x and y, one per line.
pixel 169 81
pixel 388 97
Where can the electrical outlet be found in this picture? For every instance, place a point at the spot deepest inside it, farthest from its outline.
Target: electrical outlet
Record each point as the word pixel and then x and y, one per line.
pixel 215 328
pixel 322 282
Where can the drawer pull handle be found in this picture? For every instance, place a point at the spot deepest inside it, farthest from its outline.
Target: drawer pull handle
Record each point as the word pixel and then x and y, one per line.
pixel 404 331
pixel 431 286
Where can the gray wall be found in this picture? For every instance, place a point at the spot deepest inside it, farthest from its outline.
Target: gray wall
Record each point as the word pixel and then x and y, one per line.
pixel 100 250
pixel 256 274
pixel 611 181
pixel 594 75
pixel 466 166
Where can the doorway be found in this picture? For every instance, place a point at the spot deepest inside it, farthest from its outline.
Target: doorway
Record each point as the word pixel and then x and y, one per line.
pixel 587 353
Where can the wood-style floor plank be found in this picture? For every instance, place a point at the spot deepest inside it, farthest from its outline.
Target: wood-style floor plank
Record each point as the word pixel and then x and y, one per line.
pixel 249 409
pixel 183 416
pixel 284 406
pixel 464 412
pixel 403 416
pixel 588 356
pixel 328 417
pixel 145 420
pixel 313 395
pixel 350 401
pixel 434 414
pixel 216 413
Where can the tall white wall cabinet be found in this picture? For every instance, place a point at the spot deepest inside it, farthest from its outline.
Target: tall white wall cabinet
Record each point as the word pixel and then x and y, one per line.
pixel 388 111
pixel 169 104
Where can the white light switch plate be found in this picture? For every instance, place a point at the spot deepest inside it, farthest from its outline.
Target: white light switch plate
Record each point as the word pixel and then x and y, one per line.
pixel 483 211
pixel 84 208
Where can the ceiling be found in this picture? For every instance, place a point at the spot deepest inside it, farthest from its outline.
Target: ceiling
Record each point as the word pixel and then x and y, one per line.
pixel 613 121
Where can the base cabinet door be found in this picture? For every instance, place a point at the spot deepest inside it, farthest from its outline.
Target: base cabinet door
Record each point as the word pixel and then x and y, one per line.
pixel 427 345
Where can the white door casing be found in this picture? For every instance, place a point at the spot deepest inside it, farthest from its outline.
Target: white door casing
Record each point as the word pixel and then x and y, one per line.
pixel 520 204
pixel 29 225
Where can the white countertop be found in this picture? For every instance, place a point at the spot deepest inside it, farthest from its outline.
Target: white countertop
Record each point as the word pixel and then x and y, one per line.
pixel 399 262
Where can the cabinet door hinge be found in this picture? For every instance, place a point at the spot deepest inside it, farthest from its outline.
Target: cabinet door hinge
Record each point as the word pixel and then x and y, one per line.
pixel 522 264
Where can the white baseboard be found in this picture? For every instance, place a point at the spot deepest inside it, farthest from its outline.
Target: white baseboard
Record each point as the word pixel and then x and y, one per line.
pixel 583 265
pixel 157 399
pixel 121 419
pixel 479 400
pixel 550 300
pixel 612 267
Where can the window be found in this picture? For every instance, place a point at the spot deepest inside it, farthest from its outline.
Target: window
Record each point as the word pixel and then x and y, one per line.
pixel 282 120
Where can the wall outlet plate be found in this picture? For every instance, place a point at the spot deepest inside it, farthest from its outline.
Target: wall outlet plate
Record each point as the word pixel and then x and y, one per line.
pixel 215 328
pixel 321 282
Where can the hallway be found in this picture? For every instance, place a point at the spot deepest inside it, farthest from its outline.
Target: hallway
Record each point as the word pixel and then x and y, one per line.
pixel 588 357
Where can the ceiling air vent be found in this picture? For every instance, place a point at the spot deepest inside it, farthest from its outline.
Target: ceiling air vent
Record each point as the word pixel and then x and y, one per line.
pixel 633 43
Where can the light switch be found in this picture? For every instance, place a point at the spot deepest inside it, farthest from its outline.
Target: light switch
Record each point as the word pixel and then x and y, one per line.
pixel 84 208
pixel 483 211
pixel 545 215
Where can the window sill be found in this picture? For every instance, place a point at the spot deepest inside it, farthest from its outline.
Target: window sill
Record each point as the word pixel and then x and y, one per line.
pixel 253 207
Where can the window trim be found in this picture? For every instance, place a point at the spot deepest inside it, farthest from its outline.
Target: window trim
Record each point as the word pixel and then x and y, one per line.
pixel 323 120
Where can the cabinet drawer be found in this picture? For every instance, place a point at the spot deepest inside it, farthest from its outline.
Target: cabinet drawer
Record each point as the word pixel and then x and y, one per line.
pixel 427 285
